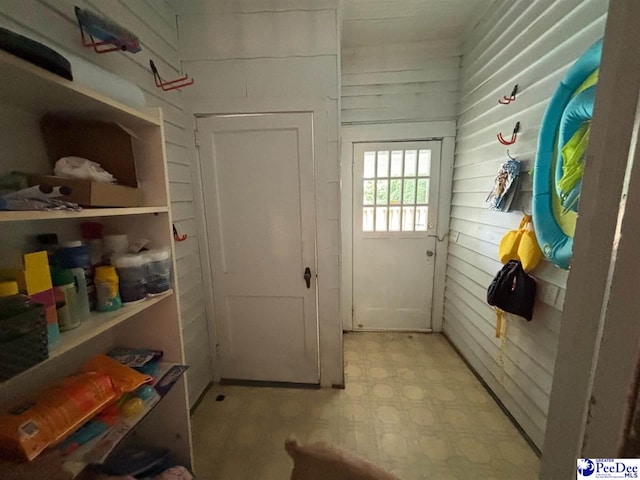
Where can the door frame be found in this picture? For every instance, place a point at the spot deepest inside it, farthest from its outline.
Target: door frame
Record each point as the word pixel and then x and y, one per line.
pixel 445 132
pixel 222 123
pixel 326 181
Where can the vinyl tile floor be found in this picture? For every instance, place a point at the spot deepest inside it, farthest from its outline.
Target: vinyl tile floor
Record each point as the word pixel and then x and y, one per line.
pixel 410 405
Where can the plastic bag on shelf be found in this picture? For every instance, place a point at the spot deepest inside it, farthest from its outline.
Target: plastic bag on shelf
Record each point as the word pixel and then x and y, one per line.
pixel 83 169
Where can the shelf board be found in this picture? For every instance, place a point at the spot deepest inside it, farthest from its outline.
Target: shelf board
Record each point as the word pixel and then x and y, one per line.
pixel 96 324
pixel 29 87
pixel 21 216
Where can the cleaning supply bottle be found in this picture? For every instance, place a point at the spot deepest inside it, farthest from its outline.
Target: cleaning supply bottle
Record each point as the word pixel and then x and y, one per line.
pixel 67 302
pixel 75 256
pixel 108 297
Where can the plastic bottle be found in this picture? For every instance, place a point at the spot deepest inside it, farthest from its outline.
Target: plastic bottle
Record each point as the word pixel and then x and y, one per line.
pixel 48 242
pixel 92 235
pixel 75 257
pixel 67 302
pixel 131 272
pixel 158 270
pixel 107 289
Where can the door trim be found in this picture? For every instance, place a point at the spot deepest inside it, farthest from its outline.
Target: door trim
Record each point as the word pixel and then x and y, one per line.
pixel 405 132
pixel 222 123
pixel 325 138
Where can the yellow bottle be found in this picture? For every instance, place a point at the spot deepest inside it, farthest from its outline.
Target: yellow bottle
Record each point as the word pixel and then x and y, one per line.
pixel 106 280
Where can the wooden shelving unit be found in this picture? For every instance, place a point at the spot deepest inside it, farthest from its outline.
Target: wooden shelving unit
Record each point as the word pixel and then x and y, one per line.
pixel 31 92
pixel 86 213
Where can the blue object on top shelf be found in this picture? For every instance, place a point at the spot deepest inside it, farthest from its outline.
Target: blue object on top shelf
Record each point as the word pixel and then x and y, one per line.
pixel 109 35
pixel 561 155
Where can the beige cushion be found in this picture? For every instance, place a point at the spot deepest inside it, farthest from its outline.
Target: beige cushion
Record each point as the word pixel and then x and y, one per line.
pixel 319 461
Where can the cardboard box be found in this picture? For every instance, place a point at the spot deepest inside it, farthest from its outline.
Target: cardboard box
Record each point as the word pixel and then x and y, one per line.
pixel 109 144
pixel 92 194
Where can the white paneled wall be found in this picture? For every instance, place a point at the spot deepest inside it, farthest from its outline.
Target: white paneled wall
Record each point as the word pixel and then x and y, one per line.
pixel 400 82
pixel 252 56
pixel 54 22
pixel 532 44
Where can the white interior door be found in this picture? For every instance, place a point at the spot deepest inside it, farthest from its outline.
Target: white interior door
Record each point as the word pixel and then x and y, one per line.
pixel 258 179
pixel 395 196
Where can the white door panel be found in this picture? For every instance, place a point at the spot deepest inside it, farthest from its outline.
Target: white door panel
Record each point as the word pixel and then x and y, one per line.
pixel 395 196
pixel 259 196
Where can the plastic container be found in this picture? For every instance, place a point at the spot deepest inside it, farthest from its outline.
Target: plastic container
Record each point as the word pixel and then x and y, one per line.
pixel 115 245
pixel 107 289
pixel 76 257
pixel 158 270
pixel 48 242
pixel 67 302
pixel 131 271
pixel 23 332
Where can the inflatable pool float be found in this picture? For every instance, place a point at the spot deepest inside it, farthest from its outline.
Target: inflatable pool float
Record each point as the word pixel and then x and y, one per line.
pixel 559 164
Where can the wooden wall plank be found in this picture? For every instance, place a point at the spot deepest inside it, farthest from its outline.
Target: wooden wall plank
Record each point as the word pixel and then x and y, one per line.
pixel 416 81
pixel 531 43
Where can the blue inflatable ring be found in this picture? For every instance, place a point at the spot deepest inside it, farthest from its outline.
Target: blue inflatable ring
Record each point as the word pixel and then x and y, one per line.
pixel 566 112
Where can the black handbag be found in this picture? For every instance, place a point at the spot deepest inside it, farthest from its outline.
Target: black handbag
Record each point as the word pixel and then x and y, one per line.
pixel 513 290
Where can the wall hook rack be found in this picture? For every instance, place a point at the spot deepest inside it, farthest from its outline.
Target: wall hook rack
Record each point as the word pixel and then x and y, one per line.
pixel 181 82
pixel 111 36
pixel 514 136
pixel 177 237
pixel 511 98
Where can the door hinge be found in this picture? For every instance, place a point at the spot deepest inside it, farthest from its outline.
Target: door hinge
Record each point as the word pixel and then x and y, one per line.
pixel 195 138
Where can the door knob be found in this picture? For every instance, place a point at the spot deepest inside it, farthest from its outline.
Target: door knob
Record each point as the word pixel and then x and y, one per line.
pixel 307 276
pixel 429 253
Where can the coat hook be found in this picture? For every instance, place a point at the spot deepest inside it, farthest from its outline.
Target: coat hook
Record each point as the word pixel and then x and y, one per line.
pixel 176 236
pixel 514 136
pixel 511 98
pixel 183 81
pixel 509 155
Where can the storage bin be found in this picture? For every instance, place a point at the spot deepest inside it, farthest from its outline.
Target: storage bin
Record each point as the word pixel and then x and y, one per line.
pixel 158 271
pixel 23 334
pixel 131 271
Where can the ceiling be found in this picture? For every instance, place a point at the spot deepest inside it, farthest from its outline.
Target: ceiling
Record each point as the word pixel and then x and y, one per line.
pixel 381 22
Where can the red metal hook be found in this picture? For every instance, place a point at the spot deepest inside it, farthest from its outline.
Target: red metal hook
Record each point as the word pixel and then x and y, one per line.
pixel 514 136
pixel 93 44
pixel 183 81
pixel 511 98
pixel 124 42
pixel 176 237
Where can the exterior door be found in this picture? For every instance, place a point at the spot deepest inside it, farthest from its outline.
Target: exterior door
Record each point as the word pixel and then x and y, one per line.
pixel 258 182
pixel 395 196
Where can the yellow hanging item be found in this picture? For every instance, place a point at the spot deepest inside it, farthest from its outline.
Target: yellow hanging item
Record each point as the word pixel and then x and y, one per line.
pixel 529 252
pixel 521 244
pixel 499 317
pixel 508 248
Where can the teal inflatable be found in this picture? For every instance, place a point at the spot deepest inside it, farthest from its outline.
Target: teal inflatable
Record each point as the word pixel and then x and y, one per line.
pixel 564 135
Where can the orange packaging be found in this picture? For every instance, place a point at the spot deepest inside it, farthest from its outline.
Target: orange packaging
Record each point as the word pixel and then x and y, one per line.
pixel 59 410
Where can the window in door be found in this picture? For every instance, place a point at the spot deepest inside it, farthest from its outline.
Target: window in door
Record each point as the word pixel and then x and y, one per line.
pixel 396 190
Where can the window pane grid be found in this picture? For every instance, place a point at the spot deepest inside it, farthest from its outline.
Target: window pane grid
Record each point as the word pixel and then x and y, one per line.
pixel 396 190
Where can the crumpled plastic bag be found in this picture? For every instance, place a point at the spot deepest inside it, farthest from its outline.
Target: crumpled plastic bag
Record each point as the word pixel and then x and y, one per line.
pixel 83 169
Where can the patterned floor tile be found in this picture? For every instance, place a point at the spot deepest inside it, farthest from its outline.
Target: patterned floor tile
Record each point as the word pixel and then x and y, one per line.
pixel 410 405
